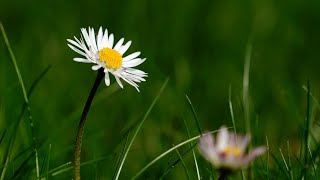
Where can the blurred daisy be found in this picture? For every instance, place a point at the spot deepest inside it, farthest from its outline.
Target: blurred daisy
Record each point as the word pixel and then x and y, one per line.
pixel 229 150
pixel 101 50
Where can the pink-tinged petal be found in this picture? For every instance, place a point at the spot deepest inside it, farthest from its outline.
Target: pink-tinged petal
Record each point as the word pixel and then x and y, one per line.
pixel 206 146
pixel 242 142
pixel 254 153
pixel 222 139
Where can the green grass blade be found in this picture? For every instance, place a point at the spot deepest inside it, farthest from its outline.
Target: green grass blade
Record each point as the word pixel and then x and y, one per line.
pixel 140 125
pixel 268 157
pixel 62 169
pixel 231 111
pixel 183 163
pixel 3 134
pixel 313 164
pixel 165 153
pixel 4 169
pixel 194 114
pixel 245 92
pixel 193 153
pixel 306 132
pixel 121 155
pixel 14 63
pixel 171 166
pixel 48 162
pixel 284 161
pixel 289 161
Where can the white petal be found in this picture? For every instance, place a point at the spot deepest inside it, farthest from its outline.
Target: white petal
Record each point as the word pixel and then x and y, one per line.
pixel 96 67
pixel 93 39
pixel 137 72
pixel 130 82
pixel 107 78
pixel 124 48
pixel 119 44
pixel 81 60
pixel 77 50
pixel 133 77
pixel 86 37
pixel 99 38
pixel 104 39
pixel 119 81
pixel 75 43
pixel 133 63
pixel 110 41
pixel 131 56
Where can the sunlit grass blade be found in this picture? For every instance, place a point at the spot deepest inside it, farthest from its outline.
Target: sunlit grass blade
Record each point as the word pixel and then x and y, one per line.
pixel 306 128
pixel 165 153
pixel 289 161
pixel 193 153
pixel 184 164
pixel 313 164
pixel 26 99
pixel 140 125
pixel 4 170
pixel 231 111
pixel 194 114
pixel 245 93
pixel 48 162
pixel 67 167
pixel 13 58
pixel 171 166
pixel 268 157
pixel 121 155
pixel 316 102
pixel 285 163
pixel 278 163
pixel 59 167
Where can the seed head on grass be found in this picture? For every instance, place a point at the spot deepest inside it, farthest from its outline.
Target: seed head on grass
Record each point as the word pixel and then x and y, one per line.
pixel 100 50
pixel 228 152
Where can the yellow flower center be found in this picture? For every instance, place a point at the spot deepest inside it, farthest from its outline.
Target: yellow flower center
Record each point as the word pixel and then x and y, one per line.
pixel 232 151
pixel 111 57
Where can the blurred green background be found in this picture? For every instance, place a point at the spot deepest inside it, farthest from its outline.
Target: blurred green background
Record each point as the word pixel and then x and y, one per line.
pixel 199 44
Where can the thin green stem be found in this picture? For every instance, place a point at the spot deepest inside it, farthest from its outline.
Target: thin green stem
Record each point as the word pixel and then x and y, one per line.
pixel 77 152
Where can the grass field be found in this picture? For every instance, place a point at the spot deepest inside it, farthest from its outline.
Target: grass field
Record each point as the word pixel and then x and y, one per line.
pixel 252 66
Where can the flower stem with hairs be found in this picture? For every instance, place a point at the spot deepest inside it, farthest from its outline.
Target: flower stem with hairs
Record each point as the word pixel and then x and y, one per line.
pixel 77 151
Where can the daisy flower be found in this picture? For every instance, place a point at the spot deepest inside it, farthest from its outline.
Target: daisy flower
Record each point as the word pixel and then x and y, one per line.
pixel 101 50
pixel 229 150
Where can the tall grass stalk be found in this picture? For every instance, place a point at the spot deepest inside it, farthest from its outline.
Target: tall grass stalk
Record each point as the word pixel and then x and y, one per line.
pixel 140 125
pixel 193 153
pixel 165 153
pixel 24 92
